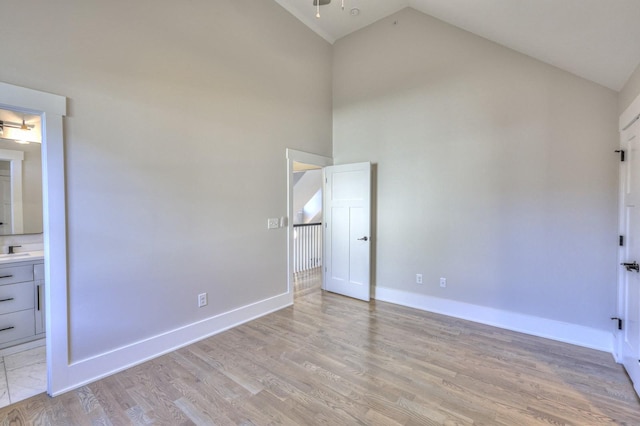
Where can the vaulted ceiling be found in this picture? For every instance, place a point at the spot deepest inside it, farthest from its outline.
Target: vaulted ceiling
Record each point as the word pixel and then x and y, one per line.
pixel 595 39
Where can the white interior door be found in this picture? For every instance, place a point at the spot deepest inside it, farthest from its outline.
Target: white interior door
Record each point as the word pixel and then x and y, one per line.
pixel 347 209
pixel 629 336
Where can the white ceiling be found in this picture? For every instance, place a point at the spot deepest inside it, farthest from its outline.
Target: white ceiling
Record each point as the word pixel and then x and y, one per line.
pixel 595 39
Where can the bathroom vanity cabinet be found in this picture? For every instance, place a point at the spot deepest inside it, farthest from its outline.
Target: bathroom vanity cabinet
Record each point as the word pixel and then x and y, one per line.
pixel 21 301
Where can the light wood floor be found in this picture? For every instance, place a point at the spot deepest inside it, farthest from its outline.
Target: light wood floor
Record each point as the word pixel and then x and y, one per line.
pixel 337 361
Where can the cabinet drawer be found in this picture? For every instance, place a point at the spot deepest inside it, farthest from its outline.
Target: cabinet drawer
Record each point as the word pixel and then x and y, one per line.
pixel 16 274
pixel 16 325
pixel 16 297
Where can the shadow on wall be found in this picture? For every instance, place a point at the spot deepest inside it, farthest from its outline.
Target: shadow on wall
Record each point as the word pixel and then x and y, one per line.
pixel 307 197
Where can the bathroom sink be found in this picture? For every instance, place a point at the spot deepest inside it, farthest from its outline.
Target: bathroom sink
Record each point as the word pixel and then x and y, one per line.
pixel 21 257
pixel 14 255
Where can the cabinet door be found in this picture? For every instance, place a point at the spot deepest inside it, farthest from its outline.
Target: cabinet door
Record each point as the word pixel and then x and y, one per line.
pixel 39 311
pixel 38 274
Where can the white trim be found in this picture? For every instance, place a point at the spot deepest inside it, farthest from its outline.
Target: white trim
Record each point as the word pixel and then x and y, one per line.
pixel 617 344
pixel 27 100
pixel 306 158
pixel 89 370
pixel 542 327
pixel 51 109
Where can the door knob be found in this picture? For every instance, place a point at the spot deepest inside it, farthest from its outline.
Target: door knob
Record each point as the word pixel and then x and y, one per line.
pixel 363 239
pixel 632 266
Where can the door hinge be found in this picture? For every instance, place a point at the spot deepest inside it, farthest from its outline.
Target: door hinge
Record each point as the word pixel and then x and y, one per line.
pixel 621 241
pixel 619 322
pixel 621 151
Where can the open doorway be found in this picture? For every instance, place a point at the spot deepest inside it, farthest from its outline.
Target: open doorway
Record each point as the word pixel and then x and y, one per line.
pixel 22 343
pixel 305 221
pixel 51 109
pixel 307 228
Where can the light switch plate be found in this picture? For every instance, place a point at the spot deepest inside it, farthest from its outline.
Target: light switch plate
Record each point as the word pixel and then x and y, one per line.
pixel 273 223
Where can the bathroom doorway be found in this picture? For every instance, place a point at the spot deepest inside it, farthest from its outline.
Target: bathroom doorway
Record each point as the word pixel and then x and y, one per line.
pixel 23 371
pixel 52 275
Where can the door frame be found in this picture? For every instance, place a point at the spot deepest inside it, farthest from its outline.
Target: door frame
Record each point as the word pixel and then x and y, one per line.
pixel 51 108
pixel 292 156
pixel 617 341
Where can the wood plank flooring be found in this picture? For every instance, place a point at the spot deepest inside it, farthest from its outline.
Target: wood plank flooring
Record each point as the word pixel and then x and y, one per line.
pixel 331 360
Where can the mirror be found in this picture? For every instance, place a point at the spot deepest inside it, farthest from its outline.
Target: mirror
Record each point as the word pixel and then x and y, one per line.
pixel 20 173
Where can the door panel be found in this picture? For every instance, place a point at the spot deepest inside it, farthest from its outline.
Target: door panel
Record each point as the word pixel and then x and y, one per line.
pixel 339 246
pixel 348 229
pixel 359 252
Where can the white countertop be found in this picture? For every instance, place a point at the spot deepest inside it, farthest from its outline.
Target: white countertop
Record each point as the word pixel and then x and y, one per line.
pixel 28 256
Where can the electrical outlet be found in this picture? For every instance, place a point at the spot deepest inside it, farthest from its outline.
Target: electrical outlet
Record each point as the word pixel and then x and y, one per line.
pixel 418 278
pixel 202 300
pixel 443 282
pixel 273 223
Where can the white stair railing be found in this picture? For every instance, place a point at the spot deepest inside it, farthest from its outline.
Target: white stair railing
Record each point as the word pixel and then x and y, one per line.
pixel 307 246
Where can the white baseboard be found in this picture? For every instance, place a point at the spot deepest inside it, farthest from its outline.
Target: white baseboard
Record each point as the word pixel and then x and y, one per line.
pixel 542 327
pixel 80 373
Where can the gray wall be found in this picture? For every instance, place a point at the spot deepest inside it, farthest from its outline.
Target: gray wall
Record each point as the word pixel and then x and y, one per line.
pixel 494 170
pixel 179 116
pixel 630 91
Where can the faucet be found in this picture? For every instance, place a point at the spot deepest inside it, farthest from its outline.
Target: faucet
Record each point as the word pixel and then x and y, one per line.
pixel 11 251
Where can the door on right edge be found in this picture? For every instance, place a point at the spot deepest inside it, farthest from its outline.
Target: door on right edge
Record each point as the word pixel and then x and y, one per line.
pixel 630 278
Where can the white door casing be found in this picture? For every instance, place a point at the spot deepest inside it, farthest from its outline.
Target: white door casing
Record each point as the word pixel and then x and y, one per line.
pixel 347 242
pixel 629 286
pixel 51 108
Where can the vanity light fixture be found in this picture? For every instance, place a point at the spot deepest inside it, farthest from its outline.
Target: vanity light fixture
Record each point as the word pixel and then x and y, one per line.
pixel 23 127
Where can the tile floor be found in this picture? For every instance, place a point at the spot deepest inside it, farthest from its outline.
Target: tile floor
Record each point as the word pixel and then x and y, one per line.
pixel 22 375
